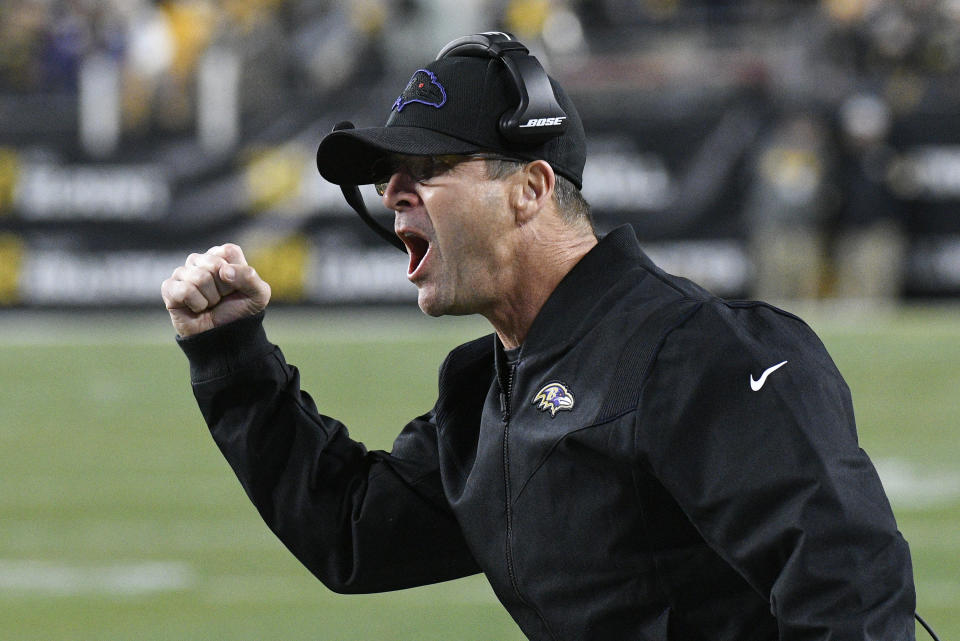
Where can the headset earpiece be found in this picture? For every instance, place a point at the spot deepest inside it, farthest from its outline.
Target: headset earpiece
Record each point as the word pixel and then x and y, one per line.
pixel 538 117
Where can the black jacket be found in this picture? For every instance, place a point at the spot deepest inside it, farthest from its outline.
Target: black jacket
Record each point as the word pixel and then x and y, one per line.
pixel 622 481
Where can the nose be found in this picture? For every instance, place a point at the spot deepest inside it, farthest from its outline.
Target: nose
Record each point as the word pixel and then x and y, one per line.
pixel 400 193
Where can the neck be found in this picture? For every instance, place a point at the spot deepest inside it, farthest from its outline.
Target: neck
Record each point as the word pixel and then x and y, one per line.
pixel 532 279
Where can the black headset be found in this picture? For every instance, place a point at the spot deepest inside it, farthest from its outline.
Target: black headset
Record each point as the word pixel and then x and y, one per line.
pixel 537 118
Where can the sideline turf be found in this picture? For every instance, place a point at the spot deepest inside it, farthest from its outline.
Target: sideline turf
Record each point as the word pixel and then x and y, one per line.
pixel 106 466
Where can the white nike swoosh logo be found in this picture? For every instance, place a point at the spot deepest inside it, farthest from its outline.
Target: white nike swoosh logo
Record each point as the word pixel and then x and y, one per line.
pixel 756 385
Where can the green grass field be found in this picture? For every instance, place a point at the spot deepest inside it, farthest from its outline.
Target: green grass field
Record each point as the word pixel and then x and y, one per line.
pixel 120 520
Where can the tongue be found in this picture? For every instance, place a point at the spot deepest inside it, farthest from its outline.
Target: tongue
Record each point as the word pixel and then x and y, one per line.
pixel 418 248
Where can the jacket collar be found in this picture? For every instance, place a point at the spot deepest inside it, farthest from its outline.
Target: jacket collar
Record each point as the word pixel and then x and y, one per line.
pixel 579 299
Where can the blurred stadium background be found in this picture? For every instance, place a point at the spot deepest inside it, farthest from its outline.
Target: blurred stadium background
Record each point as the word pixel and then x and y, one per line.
pixel 804 151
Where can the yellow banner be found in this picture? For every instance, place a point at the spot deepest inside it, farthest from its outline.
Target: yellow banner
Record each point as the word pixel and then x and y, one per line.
pixel 11 260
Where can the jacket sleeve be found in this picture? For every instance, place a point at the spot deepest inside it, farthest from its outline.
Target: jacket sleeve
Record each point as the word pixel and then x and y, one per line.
pixel 774 479
pixel 360 521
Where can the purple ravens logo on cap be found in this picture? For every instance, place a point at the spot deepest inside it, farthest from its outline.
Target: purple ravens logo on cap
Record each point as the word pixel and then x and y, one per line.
pixel 423 88
pixel 553 397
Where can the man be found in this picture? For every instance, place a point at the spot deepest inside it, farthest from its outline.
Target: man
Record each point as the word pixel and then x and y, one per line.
pixel 626 457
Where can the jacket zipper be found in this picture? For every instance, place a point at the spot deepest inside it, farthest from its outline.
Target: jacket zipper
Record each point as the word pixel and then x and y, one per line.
pixel 505 397
pixel 511 569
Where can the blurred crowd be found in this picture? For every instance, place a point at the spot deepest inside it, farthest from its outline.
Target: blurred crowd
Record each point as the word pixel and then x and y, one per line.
pixel 823 218
pixel 156 45
pixel 42 42
pixel 290 46
pixel 823 215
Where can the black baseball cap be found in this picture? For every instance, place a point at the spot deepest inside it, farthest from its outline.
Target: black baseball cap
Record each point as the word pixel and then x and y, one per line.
pixel 451 106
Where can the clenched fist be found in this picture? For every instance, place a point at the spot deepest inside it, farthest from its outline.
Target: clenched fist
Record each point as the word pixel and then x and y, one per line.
pixel 213 289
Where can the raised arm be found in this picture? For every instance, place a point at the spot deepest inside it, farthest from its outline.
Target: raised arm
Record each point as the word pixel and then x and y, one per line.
pixel 360 521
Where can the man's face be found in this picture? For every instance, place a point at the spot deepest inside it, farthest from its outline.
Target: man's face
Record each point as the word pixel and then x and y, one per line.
pixel 456 224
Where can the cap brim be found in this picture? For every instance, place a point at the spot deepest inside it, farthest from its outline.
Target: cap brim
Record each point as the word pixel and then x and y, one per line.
pixel 347 156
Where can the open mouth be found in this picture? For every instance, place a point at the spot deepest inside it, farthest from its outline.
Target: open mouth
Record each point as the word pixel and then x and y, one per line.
pixel 417 248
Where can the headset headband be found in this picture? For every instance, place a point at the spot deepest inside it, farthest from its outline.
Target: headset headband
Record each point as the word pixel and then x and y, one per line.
pixel 538 117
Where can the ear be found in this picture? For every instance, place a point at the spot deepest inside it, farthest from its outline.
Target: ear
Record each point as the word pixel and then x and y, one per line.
pixel 533 190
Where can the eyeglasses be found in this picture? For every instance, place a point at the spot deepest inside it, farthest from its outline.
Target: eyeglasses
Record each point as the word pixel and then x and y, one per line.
pixel 423 168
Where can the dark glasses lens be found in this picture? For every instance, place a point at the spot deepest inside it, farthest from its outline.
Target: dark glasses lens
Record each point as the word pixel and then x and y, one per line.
pixel 418 168
pixel 422 168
